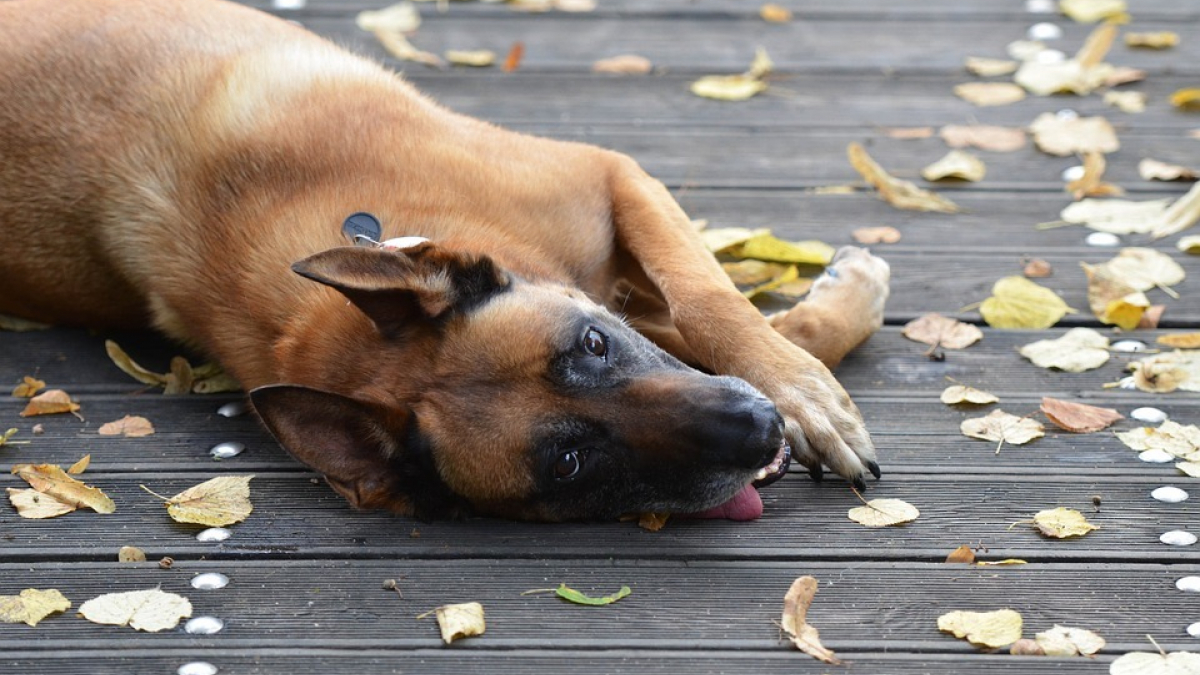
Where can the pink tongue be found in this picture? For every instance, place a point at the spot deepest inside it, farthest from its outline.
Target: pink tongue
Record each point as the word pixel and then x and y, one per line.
pixel 745 505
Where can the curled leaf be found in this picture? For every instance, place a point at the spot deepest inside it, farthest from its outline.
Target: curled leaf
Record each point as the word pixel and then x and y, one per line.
pixel 131 367
pixel 625 64
pixel 571 595
pixel 1065 641
pixel 1157 40
pixel 795 620
pixel 29 387
pixel 899 193
pixel 50 402
pixel 476 58
pixel 460 621
pixel 51 480
pixel 958 165
pixel 985 94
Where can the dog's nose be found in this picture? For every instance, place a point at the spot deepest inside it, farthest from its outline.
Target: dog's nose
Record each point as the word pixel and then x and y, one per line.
pixel 746 431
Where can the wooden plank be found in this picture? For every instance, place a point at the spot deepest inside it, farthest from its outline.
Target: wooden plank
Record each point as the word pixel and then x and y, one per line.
pixel 686 605
pixel 297 517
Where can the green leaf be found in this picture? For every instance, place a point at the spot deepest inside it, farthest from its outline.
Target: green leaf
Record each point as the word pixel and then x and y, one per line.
pixel 579 598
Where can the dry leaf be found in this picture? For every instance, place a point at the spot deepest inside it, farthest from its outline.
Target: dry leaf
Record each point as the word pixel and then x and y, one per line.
pixel 983 629
pixel 1170 437
pixel 1145 268
pixel 150 610
pixel 1026 647
pixel 512 60
pixel 958 393
pixel 1163 373
pixel 6 438
pixel 795 289
pixel 1158 40
pixel 1189 245
pixel 29 387
pixel 884 513
pixel 460 621
pixel 1151 317
pixel 1112 300
pixel 1180 215
pixel 218 502
pixel 1180 340
pixel 1091 183
pixel 1003 427
pixel 937 330
pixel 32 605
pixel 1079 75
pixel 1064 641
pixel 1152 169
pixel 956 164
pixel 899 193
pixel 775 13
pixel 795 620
pixel 80 466
pixel 1017 302
pixel 1062 523
pixel 995 139
pixel 771 249
pixel 1078 417
pixel 50 402
pixel 1189 468
pixel 985 67
pixel 477 58
pixel 218 383
pixel 1037 269
pixel 1079 349
pixel 753 272
pixel 131 367
pixel 789 274
pixel 909 133
pixel 130 554
pixel 962 554
pixel 876 235
pixel 1074 135
pixel 18 325
pixel 51 480
pixel 1186 99
pixel 129 426
pixel 624 64
pixel 985 94
pixel 1148 663
pixel 1091 11
pixel 35 505
pixel 402 17
pixel 736 87
pixel 1126 101
pixel 1116 216
pixel 653 522
pixel 1025 50
pixel 722 239
pixel 1002 563
pixel 398 46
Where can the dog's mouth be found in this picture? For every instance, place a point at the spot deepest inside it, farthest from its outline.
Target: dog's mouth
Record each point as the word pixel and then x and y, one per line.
pixel 776 468
pixel 747 504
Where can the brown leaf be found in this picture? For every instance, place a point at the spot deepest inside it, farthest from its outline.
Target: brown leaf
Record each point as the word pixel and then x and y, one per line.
pixel 128 554
pixel 775 13
pixel 1180 340
pixel 513 60
pixel 899 193
pixel 876 235
pixel 1026 647
pixel 50 479
pixel 129 426
pixel 180 379
pixel 996 139
pixel 937 330
pixel 795 620
pixel 909 133
pixel 80 466
pixel 29 387
pixel 50 402
pixel 962 554
pixel 1091 183
pixel 653 522
pixel 1078 417
pixel 1037 269
pixel 1151 317
pixel 984 94
pixel 625 64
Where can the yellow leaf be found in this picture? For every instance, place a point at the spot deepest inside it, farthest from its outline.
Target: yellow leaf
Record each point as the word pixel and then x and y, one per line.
pixel 150 610
pixel 1062 523
pixel 1003 427
pixel 1073 135
pixel 1064 641
pixel 1152 169
pixel 768 247
pixel 962 554
pixel 1002 563
pixel 1180 340
pixel 624 64
pixel 940 331
pixel 460 621
pixel 1091 11
pixel 1112 300
pixel 1017 302
pixel 129 426
pixel 35 505
pixel 958 393
pixel 128 554
pixel 958 165
pixel 29 387
pixel 795 620
pixel 50 479
pixel 1190 468
pixel 1165 39
pixel 1091 183
pixel 985 67
pixel 721 239
pixel 753 272
pixel 478 58
pixel 728 87
pixel 80 466
pixel 131 367
pixel 789 274
pixel 775 13
pixel 50 402
pixel 884 512
pixel 1117 216
pixel 1079 349
pixel 1189 244
pixel 983 629
pixel 222 501
pixel 1126 101
pixel 402 17
pixel 181 377
pixel 985 94
pixel 1186 99
pixel 899 193
pixel 31 606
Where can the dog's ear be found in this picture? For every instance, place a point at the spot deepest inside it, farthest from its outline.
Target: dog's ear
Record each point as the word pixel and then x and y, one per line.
pixel 394 287
pixel 371 454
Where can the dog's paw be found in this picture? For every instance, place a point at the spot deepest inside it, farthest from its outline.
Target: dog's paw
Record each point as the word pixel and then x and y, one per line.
pixel 856 284
pixel 825 428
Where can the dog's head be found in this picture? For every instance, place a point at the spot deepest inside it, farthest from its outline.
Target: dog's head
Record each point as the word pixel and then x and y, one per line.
pixel 472 391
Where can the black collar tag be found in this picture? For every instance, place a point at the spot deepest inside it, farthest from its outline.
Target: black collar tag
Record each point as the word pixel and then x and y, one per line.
pixel 363 229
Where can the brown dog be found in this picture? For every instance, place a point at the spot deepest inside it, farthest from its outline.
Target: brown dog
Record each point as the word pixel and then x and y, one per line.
pixel 166 162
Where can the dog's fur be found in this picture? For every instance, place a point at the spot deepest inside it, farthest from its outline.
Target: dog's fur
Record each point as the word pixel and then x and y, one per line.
pixel 166 162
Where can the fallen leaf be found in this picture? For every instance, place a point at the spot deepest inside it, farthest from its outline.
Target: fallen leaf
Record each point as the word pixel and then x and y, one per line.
pixel 899 193
pixel 6 438
pixel 1165 39
pixel 1116 216
pixel 1080 74
pixel 150 610
pixel 1113 300
pixel 1170 437
pixel 402 17
pixel 1002 427
pixel 1073 135
pixel 218 502
pixel 1189 244
pixel 80 466
pixel 937 330
pixel 1186 99
pixel 1078 417
pixel 1062 523
pixel 1151 317
pixel 1180 215
pixel 985 67
pixel 35 505
pixel 775 13
pixel 1124 75
pixel 983 629
pixel 571 595
pixel 18 325
pixel 459 621
pixel 399 47
pixel 795 620
pixel 1026 647
pixel 1148 663
pixel 721 239
pixel 32 605
pixel 1126 101
pixel 909 133
pixel 129 426
pixel 1180 340
pixel 1164 373
pixel 959 393
pixel 218 382
pixel 1078 350
pixel 986 94
pixel 128 554
pixel 29 387
pixel 1152 169
pixel 1091 183
pixel 1190 468
pixel 512 60
pixel 753 272
pixel 795 289
pixel 1007 562
pixel 736 87
pixel 1091 11
pixel 1065 641
pixel 50 402
pixel 1145 268
pixel 884 512
pixel 789 274
pixel 131 367
pixel 653 522
pixel 476 58
pixel 876 235
pixel 624 64
pixel 1025 50
pixel 769 248
pixel 1037 269
pixel 1017 302
pixel 962 554
pixel 958 165
pixel 995 139
pixel 51 480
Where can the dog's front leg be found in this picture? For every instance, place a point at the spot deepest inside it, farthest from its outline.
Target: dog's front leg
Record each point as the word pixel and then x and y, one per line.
pixel 726 334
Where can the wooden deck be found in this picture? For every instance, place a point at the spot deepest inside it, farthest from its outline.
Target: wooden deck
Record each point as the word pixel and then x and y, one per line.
pixel 305 594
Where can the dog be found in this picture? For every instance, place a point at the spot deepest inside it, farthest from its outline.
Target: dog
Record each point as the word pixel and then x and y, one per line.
pixel 533 329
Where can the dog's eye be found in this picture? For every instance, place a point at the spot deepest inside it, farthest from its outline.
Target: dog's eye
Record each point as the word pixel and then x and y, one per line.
pixel 595 343
pixel 567 465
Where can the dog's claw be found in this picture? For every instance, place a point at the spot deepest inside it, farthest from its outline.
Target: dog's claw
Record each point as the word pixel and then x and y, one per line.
pixel 817 473
pixel 859 484
pixel 874 468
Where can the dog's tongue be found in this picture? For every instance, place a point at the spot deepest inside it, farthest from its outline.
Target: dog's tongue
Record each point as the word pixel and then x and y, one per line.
pixel 745 505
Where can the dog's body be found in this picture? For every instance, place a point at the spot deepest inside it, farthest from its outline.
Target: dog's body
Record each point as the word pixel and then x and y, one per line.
pixel 164 163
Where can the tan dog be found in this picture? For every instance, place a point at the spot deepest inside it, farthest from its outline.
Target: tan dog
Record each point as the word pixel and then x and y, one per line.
pixel 166 162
